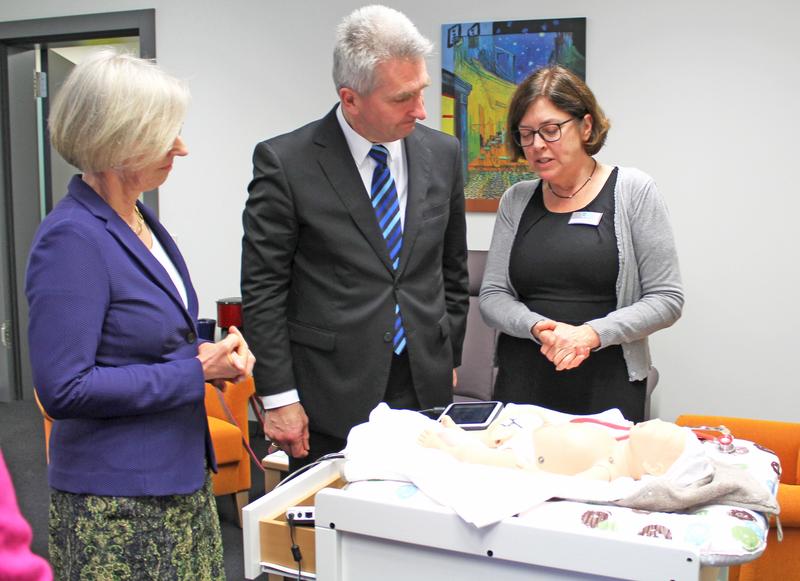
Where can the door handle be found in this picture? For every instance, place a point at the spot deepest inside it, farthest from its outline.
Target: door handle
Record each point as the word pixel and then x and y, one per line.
pixel 5 334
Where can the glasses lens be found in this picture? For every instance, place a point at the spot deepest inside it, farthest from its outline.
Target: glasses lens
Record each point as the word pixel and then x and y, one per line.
pixel 550 132
pixel 523 137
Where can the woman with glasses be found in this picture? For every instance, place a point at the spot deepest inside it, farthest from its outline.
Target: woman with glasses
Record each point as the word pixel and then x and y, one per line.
pixel 582 267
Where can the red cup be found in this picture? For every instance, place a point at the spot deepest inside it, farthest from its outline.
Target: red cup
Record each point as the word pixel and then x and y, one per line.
pixel 229 312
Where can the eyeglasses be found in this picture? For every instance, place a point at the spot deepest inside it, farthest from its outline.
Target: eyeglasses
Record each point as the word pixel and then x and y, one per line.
pixel 549 132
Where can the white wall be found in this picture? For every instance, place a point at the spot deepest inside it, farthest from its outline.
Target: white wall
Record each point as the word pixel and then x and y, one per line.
pixel 702 95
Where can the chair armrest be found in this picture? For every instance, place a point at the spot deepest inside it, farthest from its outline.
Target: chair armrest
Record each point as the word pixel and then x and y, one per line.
pixel 789 500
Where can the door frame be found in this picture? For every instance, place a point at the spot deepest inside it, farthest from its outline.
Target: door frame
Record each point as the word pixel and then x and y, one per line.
pixel 139 23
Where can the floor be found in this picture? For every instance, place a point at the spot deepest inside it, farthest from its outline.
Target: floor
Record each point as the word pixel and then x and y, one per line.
pixel 22 443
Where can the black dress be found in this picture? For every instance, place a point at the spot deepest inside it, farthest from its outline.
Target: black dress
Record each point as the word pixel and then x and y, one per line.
pixel 568 273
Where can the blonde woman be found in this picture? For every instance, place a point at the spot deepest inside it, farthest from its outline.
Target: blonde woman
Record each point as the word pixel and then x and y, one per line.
pixel 114 348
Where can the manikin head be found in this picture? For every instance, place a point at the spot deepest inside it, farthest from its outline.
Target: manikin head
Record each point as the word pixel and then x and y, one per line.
pixel 654 446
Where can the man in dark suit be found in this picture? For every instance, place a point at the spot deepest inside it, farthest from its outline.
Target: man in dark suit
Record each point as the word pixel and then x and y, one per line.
pixel 354 276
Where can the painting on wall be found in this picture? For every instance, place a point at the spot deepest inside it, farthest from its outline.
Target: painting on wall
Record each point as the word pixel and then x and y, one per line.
pixel 482 64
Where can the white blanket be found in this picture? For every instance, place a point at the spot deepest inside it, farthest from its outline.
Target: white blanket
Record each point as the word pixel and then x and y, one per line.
pixel 386 448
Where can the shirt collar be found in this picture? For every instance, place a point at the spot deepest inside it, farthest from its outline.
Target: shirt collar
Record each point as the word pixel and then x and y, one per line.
pixel 359 146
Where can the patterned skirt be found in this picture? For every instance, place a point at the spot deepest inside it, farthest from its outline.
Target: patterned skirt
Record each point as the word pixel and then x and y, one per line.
pixel 135 538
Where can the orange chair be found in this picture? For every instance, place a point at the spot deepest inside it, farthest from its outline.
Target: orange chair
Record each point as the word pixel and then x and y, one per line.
pixel 780 560
pixel 233 460
pixel 48 425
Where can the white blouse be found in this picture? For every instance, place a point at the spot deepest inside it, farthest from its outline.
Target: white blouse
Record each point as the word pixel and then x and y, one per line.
pixel 161 255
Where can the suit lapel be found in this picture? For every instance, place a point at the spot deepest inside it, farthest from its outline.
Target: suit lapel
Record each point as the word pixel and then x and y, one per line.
pixel 136 249
pixel 418 158
pixel 338 166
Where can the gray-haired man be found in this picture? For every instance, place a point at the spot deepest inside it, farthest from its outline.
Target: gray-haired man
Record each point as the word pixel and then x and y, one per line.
pixel 354 276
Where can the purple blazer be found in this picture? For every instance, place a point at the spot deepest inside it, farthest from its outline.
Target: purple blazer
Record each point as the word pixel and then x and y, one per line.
pixel 113 352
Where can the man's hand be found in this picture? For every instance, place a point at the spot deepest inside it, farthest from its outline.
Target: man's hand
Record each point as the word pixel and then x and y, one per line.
pixel 287 428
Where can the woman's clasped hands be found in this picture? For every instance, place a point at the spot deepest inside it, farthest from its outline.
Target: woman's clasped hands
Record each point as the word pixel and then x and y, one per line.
pixel 565 346
pixel 227 360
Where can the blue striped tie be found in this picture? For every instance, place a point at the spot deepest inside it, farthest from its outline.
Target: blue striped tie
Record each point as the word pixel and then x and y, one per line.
pixel 387 210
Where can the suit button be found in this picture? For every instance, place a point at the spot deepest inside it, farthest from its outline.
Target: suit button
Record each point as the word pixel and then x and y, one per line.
pixel 191 337
pixel 387 337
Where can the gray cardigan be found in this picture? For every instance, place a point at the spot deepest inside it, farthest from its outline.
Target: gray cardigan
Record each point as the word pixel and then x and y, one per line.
pixel 649 290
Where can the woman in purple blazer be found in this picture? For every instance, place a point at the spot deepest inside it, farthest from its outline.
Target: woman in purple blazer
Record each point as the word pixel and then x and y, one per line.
pixel 114 347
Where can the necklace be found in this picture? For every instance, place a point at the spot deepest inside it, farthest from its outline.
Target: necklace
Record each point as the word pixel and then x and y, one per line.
pixel 573 194
pixel 140 223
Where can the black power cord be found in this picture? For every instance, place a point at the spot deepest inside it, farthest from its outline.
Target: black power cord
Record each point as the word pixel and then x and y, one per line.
pixel 297 555
pixel 303 469
pixel 432 413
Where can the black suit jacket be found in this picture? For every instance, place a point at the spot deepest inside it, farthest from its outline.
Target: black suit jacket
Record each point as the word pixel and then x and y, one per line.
pixel 318 288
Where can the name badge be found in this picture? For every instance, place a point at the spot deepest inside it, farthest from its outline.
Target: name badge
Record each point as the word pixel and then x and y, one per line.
pixel 587 218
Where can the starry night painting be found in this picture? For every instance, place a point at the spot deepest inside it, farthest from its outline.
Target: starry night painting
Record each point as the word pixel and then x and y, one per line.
pixel 482 64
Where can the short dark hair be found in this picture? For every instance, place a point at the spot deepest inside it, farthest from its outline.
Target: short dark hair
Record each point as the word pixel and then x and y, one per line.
pixel 567 92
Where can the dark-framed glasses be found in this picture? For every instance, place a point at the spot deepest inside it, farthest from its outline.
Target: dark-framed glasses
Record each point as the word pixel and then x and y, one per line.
pixel 549 132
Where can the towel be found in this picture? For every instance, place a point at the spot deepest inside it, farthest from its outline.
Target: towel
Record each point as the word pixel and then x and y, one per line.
pixel 386 448
pixel 727 485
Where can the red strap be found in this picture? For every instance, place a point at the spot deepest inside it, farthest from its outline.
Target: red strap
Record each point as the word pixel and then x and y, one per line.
pixel 720 434
pixel 605 424
pixel 599 422
pixel 232 420
pixel 258 408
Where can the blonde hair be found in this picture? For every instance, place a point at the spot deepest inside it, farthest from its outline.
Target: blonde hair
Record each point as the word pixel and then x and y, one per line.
pixel 116 111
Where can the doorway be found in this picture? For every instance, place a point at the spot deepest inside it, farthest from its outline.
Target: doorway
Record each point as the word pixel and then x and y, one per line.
pixel 35 57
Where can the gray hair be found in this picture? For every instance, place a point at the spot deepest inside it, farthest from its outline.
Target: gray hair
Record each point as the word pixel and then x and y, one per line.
pixel 369 36
pixel 116 111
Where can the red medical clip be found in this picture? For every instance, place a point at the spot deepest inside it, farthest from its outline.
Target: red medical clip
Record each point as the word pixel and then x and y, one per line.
pixel 719 434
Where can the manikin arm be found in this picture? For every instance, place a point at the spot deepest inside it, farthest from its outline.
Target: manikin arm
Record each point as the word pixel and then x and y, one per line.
pixel 467 448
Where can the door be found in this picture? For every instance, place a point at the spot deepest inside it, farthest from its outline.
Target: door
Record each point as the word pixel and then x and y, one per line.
pixel 8 382
pixel 35 57
pixel 23 209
